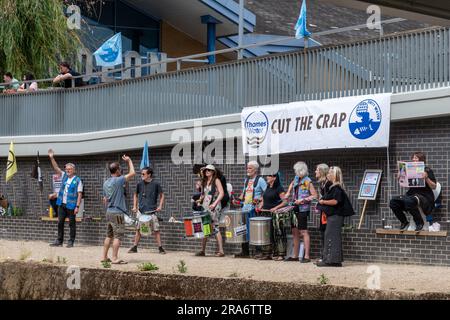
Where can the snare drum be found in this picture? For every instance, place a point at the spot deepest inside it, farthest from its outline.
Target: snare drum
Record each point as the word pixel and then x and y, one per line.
pixel 260 231
pixel 146 225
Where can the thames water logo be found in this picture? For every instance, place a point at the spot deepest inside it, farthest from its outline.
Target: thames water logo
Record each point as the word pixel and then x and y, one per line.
pixel 365 119
pixel 257 125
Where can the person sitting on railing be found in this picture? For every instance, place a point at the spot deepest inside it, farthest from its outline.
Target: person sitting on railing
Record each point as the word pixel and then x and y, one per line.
pixel 66 76
pixel 28 87
pixel 12 83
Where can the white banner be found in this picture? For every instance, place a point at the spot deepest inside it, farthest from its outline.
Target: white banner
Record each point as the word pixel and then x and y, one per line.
pixel 351 122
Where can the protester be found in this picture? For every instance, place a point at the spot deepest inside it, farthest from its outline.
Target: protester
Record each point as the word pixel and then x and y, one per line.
pixel 303 192
pixel 324 186
pixel 196 206
pixel 213 193
pixel 416 198
pixel 254 187
pixel 336 206
pixel 52 197
pixel 68 201
pixel 272 200
pixel 66 75
pixel 148 191
pixel 114 200
pixel 28 87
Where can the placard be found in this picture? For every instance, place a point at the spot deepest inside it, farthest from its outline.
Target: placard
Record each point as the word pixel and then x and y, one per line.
pixel 410 174
pixel 370 183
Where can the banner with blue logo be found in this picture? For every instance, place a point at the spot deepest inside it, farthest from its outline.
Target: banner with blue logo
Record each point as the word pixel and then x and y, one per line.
pixel 351 122
pixel 110 53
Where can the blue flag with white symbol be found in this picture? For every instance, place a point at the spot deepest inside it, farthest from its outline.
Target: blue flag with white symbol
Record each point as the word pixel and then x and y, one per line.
pixel 145 162
pixel 300 26
pixel 110 53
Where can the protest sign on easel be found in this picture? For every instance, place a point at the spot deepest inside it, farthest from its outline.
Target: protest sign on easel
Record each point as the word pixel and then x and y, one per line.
pixel 369 189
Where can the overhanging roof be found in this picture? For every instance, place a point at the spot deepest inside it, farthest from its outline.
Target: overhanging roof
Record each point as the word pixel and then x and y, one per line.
pixel 185 15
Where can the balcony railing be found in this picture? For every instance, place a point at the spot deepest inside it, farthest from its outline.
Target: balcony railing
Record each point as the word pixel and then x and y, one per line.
pixel 399 63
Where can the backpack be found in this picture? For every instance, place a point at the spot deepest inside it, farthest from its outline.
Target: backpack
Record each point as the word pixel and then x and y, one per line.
pixel 347 209
pixel 226 197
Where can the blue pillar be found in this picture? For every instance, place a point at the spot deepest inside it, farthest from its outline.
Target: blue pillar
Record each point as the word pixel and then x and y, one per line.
pixel 210 22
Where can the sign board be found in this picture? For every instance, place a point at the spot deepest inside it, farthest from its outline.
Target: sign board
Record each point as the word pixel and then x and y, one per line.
pixel 369 186
pixel 410 174
pixel 350 122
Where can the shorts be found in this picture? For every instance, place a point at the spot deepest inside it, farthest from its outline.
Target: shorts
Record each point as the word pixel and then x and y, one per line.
pixel 116 226
pixel 302 220
pixel 154 224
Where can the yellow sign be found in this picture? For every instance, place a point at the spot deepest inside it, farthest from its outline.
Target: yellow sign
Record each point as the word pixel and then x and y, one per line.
pixel 11 166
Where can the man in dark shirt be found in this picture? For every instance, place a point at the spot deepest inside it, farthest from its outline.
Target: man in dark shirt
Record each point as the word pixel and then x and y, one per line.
pixel 66 75
pixel 422 197
pixel 146 196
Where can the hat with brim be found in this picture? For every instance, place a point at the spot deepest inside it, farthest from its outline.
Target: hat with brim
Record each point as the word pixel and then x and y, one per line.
pixel 208 167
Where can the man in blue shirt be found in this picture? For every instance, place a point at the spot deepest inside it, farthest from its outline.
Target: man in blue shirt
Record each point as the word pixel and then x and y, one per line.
pixel 114 200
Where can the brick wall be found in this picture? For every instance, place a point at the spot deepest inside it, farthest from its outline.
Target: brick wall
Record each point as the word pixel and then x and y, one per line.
pixel 430 135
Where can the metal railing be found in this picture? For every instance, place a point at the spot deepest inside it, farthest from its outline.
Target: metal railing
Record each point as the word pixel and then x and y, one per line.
pixel 399 63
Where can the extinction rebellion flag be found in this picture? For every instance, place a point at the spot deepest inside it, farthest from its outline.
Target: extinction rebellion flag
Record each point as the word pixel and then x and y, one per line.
pixel 11 165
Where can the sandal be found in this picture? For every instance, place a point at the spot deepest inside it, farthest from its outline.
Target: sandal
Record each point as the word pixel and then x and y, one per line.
pixel 220 254
pixel 277 258
pixel 200 254
pixel 291 259
pixel 119 262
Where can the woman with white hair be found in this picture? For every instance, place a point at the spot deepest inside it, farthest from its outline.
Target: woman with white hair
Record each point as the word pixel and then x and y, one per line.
pixel 336 206
pixel 303 192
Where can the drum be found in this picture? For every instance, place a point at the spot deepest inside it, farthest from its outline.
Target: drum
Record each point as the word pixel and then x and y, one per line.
pixel 260 231
pixel 284 216
pixel 197 226
pixel 188 227
pixel 207 224
pixel 235 227
pixel 131 223
pixel 145 225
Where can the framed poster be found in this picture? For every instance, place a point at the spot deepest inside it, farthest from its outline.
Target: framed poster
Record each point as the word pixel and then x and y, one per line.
pixel 370 183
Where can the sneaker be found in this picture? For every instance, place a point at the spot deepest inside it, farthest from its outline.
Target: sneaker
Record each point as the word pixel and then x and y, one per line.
pixel 133 249
pixel 304 260
pixel 161 250
pixel 56 244
pixel 69 244
pixel 404 225
pixel 419 227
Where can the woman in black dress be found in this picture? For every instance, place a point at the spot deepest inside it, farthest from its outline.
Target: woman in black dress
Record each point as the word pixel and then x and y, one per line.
pixel 324 186
pixel 335 204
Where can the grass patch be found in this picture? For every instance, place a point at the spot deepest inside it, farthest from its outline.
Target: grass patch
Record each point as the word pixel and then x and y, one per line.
pixel 182 268
pixel 323 279
pixel 106 264
pixel 61 260
pixel 24 254
pixel 233 275
pixel 47 260
pixel 147 266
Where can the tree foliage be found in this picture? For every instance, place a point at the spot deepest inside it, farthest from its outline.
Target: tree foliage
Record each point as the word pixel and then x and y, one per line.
pixel 34 37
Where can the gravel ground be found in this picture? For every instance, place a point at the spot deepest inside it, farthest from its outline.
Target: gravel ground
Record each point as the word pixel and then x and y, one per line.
pixel 393 277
